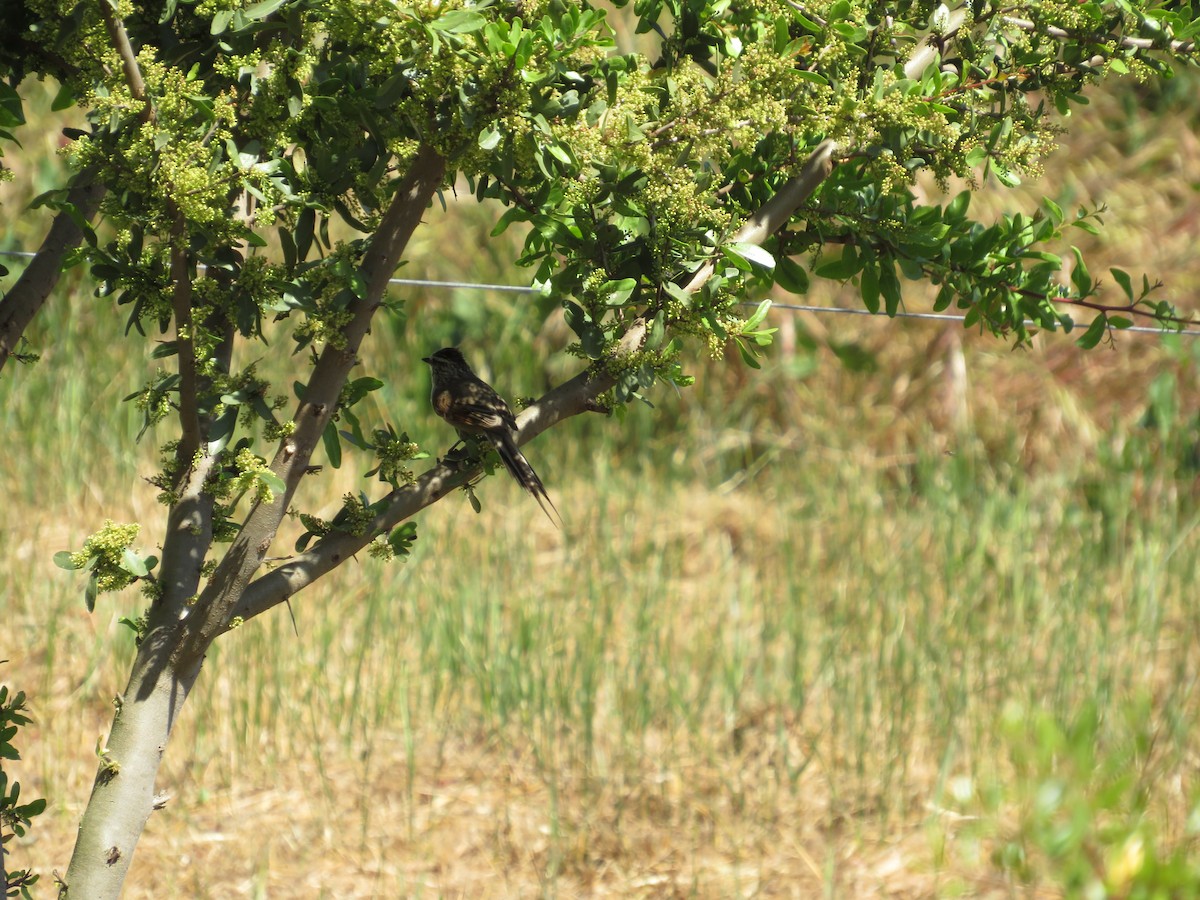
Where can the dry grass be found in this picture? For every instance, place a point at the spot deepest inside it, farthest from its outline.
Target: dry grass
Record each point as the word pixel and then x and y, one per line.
pixel 687 693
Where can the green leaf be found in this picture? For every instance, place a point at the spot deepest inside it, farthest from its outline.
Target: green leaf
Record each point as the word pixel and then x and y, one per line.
pixel 402 538
pixel 306 224
pixel 261 10
pixel 678 293
pixel 617 293
pixel 62 559
pixel 1080 276
pixel 133 564
pixel 394 88
pixel 489 138
pixel 90 592
pixel 64 99
pixel 459 21
pixel 1095 332
pixel 842 269
pixel 657 331
pixel 222 430
pixel 1122 278
pixel 813 77
pixel 852 33
pixel 714 324
pixel 956 209
pixel 287 244
pixel 591 338
pixel 747 355
pixel 1004 175
pixel 869 286
pixel 945 296
pixel 889 284
pixel 752 253
pixel 755 320
pixel 360 387
pixel 253 238
pixel 333 444
pixel 791 276
pixel 272 481
pixel 220 22
pixel 839 9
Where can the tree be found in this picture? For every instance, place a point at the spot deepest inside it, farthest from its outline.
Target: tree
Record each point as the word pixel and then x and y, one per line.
pixel 231 142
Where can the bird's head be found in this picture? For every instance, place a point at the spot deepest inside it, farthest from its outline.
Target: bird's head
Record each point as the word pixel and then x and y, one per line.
pixel 448 358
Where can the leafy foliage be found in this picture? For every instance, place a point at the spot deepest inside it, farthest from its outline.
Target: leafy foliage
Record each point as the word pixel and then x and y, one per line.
pixel 15 816
pixel 110 560
pixel 1081 812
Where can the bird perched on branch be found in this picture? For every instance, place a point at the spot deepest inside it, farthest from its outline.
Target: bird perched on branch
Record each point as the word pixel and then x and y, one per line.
pixel 473 407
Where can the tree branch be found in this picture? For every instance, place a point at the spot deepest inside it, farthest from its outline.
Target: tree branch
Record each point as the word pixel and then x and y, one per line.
pixel 245 555
pixel 185 339
pixel 181 294
pixel 578 395
pixel 928 49
pixel 29 294
pixel 1131 43
pixel 129 63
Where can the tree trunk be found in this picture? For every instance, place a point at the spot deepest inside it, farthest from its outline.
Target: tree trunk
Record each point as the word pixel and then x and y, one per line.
pixel 123 794
pixel 183 623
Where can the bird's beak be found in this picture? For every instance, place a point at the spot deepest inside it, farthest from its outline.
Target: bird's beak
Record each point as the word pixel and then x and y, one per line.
pixel 426 359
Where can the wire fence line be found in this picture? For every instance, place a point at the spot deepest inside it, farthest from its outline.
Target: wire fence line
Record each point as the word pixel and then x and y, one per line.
pixel 797 307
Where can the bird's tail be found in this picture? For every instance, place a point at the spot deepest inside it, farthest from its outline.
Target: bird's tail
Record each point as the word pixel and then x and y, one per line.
pixel 522 472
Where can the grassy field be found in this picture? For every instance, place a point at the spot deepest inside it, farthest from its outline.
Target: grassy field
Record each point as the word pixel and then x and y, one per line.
pixel 924 628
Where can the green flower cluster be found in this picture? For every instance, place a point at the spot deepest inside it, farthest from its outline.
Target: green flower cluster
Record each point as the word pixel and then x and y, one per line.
pixel 104 552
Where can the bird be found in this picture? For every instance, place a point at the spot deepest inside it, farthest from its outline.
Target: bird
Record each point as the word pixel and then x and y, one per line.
pixel 473 407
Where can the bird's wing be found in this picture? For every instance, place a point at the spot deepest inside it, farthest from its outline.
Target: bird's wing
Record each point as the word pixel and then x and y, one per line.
pixel 478 408
pixel 476 417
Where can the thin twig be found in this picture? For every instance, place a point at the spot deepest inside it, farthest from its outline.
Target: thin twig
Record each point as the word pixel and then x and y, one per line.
pixel 129 63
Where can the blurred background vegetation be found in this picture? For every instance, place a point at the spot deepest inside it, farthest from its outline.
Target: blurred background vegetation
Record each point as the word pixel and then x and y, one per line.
pixel 905 612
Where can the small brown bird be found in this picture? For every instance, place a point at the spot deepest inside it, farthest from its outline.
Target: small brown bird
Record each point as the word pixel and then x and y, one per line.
pixel 470 404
